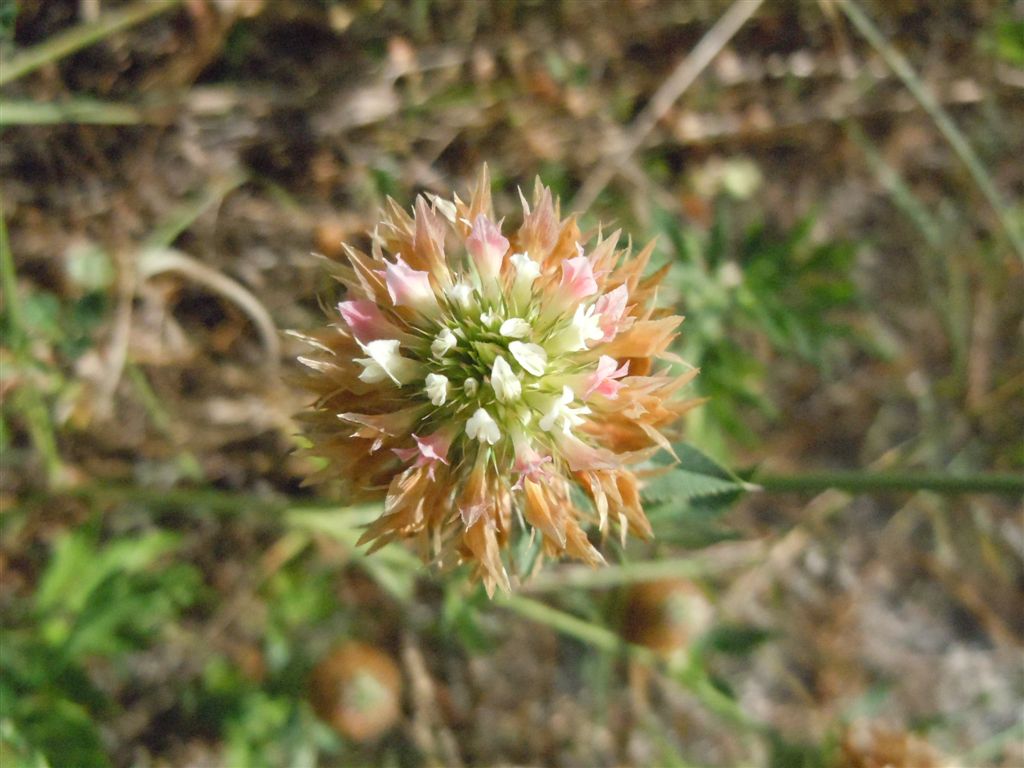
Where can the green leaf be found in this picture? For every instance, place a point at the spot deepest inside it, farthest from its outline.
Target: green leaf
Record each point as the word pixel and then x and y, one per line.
pixel 72 556
pixel 1008 41
pixel 785 754
pixel 123 611
pixel 736 639
pixel 63 731
pixel 80 110
pixel 461 617
pixel 677 526
pixel 77 567
pixel 684 503
pixel 41 311
pixel 8 13
pixel 695 476
pixel 681 485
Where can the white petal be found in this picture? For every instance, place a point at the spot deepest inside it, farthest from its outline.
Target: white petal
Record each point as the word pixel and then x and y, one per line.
pixel 504 382
pixel 444 343
pixel 461 294
pixel 385 359
pixel 527 270
pixel 483 428
pixel 559 415
pixel 515 328
pixel 372 372
pixel 437 388
pixel 531 357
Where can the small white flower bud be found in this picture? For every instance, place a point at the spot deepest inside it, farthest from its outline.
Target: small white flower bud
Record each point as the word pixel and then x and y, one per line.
pixel 584 329
pixel 483 428
pixel 437 388
pixel 532 357
pixel 515 328
pixel 527 270
pixel 470 386
pixel 444 343
pixel 461 295
pixel 504 382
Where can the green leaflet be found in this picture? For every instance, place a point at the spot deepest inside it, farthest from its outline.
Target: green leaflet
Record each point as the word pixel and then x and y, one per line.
pixel 682 485
pixel 685 503
pixel 695 476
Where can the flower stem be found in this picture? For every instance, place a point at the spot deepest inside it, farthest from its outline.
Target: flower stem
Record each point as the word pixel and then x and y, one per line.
pixel 899 482
pixel 210 499
pixel 691 676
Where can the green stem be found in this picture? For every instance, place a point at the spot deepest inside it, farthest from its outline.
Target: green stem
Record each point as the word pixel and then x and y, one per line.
pixel 898 63
pixel 691 676
pixel 991 749
pixel 9 281
pixel 82 111
pixel 187 500
pixel 854 482
pixel 583 577
pixel 900 482
pixel 27 398
pixel 59 46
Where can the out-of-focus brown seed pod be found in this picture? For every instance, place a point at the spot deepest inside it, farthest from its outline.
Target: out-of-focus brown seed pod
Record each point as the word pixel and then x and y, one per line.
pixel 330 234
pixel 357 690
pixel 873 745
pixel 665 616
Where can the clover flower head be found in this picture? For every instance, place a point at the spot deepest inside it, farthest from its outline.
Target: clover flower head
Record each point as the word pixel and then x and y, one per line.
pixel 490 382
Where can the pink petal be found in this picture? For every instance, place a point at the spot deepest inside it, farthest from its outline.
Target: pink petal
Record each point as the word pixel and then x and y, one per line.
pixel 530 465
pixel 409 287
pixel 405 454
pixel 610 307
pixel 429 450
pixel 580 456
pixel 603 380
pixel 435 447
pixel 577 278
pixel 487 247
pixel 366 321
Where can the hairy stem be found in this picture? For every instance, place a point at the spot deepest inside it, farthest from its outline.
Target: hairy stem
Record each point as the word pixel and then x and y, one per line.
pixel 899 482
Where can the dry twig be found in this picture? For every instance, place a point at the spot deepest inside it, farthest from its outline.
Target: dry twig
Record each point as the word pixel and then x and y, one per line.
pixel 671 90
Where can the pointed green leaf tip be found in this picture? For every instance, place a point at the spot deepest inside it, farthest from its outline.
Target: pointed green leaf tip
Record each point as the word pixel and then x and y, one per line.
pixel 695 476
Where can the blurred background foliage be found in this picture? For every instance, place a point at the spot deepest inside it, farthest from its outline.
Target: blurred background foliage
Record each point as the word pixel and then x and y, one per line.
pixel 837 191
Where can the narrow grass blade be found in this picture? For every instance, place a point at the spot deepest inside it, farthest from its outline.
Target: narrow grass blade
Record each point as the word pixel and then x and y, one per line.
pixel 26 399
pixel 901 67
pixel 185 215
pixel 86 111
pixel 59 46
